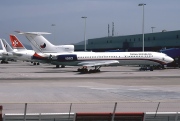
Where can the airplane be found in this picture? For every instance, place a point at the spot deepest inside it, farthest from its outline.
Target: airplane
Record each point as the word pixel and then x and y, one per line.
pixel 6 53
pixel 95 59
pixel 20 52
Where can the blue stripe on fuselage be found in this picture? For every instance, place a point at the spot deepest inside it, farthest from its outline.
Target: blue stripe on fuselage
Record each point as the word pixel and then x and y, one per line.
pixel 68 57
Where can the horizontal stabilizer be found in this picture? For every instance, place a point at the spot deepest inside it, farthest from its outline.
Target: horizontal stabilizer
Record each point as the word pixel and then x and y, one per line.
pixel 33 33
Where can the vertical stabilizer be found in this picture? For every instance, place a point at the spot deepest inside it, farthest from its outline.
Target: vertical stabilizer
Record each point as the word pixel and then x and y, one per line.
pixel 7 51
pixel 6 47
pixel 16 44
pixel 39 43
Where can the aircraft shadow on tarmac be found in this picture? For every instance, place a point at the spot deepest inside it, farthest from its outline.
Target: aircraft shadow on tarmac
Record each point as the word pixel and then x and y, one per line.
pixel 105 72
pixel 60 70
pixel 56 71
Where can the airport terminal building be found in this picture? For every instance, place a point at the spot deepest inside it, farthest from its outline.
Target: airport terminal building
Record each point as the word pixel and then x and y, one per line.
pixel 152 42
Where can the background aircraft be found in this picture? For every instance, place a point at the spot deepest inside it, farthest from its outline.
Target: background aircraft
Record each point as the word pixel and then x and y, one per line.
pixel 6 53
pixel 17 45
pixel 20 52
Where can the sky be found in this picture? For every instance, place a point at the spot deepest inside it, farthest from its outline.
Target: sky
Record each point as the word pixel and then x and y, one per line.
pixel 39 15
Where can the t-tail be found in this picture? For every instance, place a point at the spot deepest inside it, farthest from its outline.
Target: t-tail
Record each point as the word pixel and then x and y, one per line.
pixel 16 44
pixel 40 44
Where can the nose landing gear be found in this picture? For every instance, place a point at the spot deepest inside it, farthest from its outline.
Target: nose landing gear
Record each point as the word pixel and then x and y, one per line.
pixel 146 68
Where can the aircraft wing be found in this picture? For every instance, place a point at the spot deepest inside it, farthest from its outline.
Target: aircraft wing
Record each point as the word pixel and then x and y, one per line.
pixel 98 63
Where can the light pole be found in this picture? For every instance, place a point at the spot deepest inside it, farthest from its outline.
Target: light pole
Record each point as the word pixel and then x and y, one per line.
pixel 152 28
pixel 53 25
pixel 84 33
pixel 142 4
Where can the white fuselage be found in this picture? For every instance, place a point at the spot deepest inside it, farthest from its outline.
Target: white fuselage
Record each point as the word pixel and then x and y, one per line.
pixel 25 55
pixel 5 55
pixel 47 51
pixel 124 58
pixel 1 54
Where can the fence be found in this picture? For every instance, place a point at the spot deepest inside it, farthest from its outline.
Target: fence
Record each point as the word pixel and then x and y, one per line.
pixel 157 108
pixel 91 107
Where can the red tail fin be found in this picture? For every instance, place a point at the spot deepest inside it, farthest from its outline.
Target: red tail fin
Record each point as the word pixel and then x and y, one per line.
pixel 16 44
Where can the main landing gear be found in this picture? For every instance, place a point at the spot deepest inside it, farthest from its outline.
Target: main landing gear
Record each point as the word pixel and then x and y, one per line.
pixel 62 66
pixel 85 70
pixel 146 68
pixel 34 63
pixel 3 61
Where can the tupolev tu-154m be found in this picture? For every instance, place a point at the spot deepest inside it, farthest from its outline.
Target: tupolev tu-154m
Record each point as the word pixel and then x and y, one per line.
pixel 94 59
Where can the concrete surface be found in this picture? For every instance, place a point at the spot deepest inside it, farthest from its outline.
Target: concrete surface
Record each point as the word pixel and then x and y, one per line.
pixel 49 89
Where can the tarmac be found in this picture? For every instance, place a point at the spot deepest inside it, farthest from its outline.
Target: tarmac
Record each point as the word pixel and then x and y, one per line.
pixel 47 89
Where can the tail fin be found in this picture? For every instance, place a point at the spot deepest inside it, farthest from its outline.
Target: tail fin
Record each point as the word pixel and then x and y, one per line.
pixel 41 44
pixel 6 47
pixel 16 44
pixel 38 42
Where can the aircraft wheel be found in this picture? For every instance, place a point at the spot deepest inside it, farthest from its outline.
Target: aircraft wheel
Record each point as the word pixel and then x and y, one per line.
pixel 37 63
pixel 151 68
pixel 90 71
pixel 57 66
pixel 93 71
pixel 62 66
pixel 78 69
pixel 3 61
pixel 34 63
pixel 85 70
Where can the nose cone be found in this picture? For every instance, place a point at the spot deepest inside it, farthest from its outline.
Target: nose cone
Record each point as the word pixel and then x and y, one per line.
pixel 170 59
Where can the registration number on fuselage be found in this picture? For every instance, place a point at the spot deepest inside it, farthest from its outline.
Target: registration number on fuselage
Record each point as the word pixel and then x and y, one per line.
pixel 68 58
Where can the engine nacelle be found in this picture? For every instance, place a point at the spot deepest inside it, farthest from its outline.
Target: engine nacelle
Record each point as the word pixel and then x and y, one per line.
pixel 65 48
